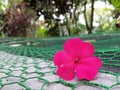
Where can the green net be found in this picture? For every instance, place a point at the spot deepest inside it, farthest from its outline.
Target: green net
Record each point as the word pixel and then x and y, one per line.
pixel 26 64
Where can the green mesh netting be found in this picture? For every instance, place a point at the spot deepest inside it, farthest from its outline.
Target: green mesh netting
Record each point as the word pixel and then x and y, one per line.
pixel 26 63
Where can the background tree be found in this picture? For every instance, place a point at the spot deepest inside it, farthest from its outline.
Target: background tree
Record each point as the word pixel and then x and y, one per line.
pixel 56 8
pixel 60 17
pixel 116 4
pixel 17 18
pixel 2 15
pixel 89 23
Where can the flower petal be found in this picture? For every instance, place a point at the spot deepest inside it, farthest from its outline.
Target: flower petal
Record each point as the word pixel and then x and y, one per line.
pixel 73 47
pixel 61 58
pixel 86 72
pixel 72 44
pixel 65 65
pixel 66 72
pixel 92 61
pixel 86 50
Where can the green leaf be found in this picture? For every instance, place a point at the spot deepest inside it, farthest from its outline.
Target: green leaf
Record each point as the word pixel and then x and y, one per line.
pixel 116 4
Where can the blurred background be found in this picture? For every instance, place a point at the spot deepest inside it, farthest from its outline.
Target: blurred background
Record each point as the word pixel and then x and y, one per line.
pixel 58 18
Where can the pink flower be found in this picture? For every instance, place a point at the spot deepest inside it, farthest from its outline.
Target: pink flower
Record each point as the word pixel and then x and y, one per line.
pixel 77 59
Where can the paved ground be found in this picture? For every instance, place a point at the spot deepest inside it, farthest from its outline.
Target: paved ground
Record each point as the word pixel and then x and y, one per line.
pixel 25 73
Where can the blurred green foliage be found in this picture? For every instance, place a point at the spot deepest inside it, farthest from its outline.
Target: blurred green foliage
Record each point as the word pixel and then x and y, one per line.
pixel 42 32
pixel 53 26
pixel 108 27
pixel 116 4
pixel 78 29
pixel 2 5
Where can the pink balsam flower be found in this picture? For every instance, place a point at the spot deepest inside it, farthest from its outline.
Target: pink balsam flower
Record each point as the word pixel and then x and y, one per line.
pixel 77 59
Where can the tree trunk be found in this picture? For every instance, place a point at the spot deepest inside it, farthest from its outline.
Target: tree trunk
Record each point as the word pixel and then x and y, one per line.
pixel 89 27
pixel 67 25
pixel 92 16
pixel 75 18
pixel 86 21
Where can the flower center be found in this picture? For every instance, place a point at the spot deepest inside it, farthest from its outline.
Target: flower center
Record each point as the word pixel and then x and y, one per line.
pixel 77 60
